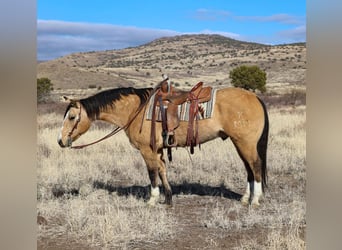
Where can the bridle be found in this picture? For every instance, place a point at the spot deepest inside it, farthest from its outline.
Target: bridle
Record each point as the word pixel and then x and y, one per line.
pixel 76 124
pixel 115 131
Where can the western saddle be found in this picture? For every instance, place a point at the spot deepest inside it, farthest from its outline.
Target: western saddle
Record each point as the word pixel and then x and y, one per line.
pixel 167 98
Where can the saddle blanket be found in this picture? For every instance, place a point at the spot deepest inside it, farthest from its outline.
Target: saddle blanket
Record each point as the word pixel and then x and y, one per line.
pixel 183 109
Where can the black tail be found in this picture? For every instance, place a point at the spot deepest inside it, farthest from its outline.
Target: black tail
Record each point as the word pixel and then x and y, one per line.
pixel 262 147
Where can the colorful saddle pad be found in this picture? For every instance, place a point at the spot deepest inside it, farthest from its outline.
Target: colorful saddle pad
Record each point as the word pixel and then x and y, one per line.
pixel 183 109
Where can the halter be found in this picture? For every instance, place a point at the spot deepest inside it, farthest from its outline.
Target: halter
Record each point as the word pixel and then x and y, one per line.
pixel 76 124
pixel 118 129
pixel 115 131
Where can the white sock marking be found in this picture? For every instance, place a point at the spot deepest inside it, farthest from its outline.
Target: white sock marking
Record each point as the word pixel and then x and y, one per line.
pixel 155 192
pixel 257 189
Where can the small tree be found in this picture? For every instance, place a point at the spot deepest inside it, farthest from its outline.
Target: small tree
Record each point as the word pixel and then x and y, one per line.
pixel 248 77
pixel 44 87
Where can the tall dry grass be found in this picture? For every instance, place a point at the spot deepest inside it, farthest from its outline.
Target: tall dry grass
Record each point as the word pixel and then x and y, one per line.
pixel 282 216
pixel 91 196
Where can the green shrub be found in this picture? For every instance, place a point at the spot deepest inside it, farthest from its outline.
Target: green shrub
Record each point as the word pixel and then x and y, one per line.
pixel 44 87
pixel 248 77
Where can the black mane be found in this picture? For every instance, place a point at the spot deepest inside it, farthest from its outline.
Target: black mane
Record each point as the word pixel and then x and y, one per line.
pixel 94 104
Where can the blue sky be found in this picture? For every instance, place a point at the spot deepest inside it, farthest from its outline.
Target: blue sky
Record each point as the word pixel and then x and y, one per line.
pixel 67 26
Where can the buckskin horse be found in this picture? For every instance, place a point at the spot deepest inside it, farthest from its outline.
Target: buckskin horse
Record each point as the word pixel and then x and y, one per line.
pixel 238 114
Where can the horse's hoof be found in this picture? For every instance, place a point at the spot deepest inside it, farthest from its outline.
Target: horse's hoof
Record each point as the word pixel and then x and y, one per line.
pixel 151 203
pixel 245 204
pixel 255 204
pixel 245 201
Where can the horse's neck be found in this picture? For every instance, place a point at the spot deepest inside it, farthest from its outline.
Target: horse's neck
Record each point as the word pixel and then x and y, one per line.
pixel 122 110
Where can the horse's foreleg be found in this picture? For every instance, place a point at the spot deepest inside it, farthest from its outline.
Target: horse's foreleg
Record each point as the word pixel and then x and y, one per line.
pixel 168 192
pixel 156 167
pixel 153 174
pixel 162 175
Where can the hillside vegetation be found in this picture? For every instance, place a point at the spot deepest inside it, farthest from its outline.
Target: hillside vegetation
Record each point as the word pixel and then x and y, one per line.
pixel 187 59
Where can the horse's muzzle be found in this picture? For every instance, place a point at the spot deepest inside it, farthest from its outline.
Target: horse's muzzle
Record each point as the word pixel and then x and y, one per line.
pixel 60 143
pixel 68 144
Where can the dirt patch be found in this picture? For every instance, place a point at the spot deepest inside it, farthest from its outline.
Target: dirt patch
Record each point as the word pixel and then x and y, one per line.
pixel 190 232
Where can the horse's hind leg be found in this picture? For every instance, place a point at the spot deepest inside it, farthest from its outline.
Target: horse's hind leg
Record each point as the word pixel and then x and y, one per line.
pixel 252 161
pixel 245 199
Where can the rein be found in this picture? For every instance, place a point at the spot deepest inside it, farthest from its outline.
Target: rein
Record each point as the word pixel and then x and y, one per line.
pixel 115 131
pixel 118 129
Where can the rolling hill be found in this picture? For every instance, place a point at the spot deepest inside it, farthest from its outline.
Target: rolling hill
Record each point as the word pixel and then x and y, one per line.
pixel 186 59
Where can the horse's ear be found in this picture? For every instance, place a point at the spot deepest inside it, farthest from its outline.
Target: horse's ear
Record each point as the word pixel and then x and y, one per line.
pixel 72 102
pixel 67 99
pixel 165 76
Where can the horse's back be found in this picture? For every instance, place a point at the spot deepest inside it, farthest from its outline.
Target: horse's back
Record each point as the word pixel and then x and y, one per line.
pixel 235 96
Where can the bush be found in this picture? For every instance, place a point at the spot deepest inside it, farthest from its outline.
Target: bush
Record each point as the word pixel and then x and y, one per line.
pixel 248 77
pixel 44 87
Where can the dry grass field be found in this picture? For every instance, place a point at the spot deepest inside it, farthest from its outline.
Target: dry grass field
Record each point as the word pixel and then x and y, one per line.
pixel 94 198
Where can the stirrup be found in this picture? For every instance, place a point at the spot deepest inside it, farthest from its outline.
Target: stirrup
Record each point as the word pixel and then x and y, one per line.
pixel 170 139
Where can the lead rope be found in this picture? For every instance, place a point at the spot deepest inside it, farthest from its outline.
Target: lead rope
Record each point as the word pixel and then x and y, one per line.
pixel 118 129
pixel 115 131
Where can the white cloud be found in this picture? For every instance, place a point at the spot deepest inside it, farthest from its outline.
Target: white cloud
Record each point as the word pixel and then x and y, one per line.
pixel 297 34
pixel 58 38
pixel 277 18
pixel 211 15
pixel 222 15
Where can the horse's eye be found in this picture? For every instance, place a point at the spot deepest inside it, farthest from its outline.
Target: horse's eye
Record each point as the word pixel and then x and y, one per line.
pixel 72 117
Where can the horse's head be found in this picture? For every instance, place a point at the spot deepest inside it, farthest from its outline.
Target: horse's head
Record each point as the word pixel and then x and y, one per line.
pixel 75 123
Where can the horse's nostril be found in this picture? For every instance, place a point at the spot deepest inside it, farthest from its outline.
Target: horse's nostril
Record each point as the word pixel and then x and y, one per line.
pixel 61 143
